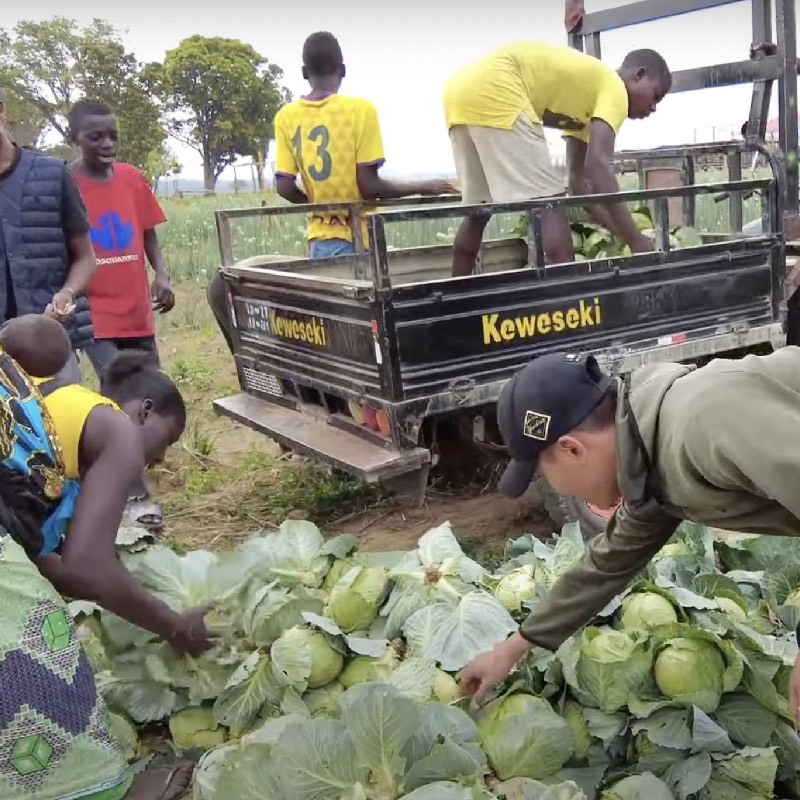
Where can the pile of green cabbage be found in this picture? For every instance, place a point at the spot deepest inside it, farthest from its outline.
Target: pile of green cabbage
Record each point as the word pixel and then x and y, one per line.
pixel 592 241
pixel 333 675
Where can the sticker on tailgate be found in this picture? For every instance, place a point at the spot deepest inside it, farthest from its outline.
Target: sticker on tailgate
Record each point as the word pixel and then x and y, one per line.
pixel 292 326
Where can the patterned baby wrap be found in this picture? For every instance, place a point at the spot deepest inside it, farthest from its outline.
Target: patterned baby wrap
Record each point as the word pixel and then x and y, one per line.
pixel 54 733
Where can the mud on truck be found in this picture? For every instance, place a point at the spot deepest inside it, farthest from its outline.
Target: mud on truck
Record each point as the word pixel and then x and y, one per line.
pixel 372 363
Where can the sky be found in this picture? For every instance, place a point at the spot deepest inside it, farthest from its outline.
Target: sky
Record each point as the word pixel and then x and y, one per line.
pixel 399 55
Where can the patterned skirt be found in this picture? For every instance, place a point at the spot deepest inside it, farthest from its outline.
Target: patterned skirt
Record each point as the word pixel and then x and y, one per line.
pixel 55 742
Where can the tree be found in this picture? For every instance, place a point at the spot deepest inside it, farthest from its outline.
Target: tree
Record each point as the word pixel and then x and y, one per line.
pixel 223 97
pixel 50 65
pixel 25 124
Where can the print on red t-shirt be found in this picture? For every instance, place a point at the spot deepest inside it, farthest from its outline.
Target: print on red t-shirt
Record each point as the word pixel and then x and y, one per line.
pixel 120 211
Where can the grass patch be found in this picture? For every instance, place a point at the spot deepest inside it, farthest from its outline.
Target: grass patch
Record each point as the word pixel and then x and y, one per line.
pixel 215 504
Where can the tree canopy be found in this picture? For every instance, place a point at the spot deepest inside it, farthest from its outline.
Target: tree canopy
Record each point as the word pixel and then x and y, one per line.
pixel 222 96
pixel 217 95
pixel 45 67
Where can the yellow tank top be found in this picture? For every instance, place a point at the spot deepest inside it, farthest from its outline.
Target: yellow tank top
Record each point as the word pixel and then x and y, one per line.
pixel 69 408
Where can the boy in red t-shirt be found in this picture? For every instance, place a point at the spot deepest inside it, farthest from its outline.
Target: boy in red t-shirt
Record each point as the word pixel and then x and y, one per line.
pixel 123 214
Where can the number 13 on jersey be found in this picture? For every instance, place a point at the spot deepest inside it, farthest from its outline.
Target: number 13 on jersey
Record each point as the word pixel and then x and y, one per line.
pixel 321 166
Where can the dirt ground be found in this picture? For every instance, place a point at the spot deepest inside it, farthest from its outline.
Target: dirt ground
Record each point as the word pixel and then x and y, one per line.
pixel 486 521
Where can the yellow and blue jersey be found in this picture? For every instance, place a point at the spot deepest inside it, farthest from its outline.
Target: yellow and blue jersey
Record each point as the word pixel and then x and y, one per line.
pixel 324 140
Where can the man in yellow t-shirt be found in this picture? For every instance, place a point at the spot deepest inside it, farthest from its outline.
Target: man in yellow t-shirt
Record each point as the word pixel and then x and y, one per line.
pixel 334 143
pixel 496 110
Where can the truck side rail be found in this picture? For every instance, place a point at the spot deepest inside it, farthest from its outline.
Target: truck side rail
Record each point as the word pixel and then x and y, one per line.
pixel 355 213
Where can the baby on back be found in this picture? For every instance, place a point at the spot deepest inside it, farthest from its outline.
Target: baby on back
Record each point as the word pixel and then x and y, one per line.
pixel 39 344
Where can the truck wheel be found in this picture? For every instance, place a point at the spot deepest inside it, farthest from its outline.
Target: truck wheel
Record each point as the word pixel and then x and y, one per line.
pixel 563 510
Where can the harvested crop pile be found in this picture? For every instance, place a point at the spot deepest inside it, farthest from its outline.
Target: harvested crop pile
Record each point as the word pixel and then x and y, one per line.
pixel 333 674
pixel 591 241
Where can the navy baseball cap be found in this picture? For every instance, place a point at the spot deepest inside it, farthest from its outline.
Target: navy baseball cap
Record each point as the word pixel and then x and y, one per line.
pixel 544 401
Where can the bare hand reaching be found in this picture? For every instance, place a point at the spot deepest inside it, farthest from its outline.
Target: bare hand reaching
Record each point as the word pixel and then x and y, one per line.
pixel 643 244
pixel 481 675
pixel 191 635
pixel 437 187
pixel 62 306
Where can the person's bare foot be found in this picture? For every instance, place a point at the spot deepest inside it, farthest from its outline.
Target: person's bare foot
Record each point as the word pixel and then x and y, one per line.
pixel 162 784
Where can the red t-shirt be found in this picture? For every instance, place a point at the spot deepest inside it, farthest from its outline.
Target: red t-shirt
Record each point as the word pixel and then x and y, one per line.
pixel 120 211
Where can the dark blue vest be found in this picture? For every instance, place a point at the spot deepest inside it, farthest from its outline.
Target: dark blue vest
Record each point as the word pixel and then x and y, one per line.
pixel 36 248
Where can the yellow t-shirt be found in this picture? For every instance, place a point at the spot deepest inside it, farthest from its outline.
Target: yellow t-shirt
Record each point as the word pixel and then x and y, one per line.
pixel 557 87
pixel 69 408
pixel 323 141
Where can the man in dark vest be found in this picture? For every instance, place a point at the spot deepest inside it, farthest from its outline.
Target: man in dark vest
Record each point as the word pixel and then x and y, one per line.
pixel 46 254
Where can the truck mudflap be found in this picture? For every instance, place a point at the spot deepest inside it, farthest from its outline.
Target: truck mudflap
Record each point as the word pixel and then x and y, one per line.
pixel 313 434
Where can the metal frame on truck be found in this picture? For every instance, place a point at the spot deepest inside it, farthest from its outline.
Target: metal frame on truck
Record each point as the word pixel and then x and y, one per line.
pixel 319 341
pixel 761 69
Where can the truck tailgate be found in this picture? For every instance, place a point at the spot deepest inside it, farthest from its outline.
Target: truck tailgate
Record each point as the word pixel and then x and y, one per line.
pixel 323 330
pixel 314 434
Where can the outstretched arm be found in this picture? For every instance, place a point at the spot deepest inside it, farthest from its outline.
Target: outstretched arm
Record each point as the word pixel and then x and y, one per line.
pixel 599 172
pixel 613 561
pixel 373 187
pixel 576 170
pixel 88 567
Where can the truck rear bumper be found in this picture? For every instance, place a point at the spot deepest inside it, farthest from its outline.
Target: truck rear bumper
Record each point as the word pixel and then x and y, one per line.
pixel 306 434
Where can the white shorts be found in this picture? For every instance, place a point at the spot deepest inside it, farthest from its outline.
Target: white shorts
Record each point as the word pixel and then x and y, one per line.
pixel 504 166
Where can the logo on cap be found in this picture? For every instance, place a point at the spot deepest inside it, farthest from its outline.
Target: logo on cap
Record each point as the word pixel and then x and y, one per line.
pixel 536 425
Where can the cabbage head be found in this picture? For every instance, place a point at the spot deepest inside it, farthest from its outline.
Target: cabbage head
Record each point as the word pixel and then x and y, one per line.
pixel 125 735
pixel 357 596
pixel 326 661
pixel 612 667
pixel 687 237
pixel 638 787
pixel 731 608
pixel 690 671
pixel 673 550
pixel 524 738
pixel 445 688
pixel 576 720
pixel 364 669
pixel 644 610
pixel 337 571
pixel 516 588
pixel 196 729
pixel 324 702
pixel 793 599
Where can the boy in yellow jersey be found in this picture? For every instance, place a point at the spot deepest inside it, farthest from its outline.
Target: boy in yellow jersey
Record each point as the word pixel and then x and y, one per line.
pixel 334 143
pixel 496 110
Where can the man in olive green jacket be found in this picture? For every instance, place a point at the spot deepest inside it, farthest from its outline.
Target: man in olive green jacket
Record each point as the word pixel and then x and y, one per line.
pixel 712 444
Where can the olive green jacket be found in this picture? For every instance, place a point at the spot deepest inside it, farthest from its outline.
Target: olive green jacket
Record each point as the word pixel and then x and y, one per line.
pixel 718 445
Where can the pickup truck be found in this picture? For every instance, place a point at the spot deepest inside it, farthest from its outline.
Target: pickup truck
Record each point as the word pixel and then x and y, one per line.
pixel 371 363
